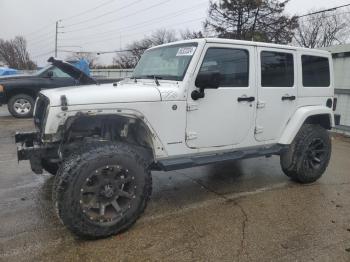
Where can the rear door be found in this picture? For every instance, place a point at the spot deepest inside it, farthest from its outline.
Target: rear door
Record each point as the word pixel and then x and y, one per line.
pixel 277 91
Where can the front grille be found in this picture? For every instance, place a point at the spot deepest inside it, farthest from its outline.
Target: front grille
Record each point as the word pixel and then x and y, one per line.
pixel 40 111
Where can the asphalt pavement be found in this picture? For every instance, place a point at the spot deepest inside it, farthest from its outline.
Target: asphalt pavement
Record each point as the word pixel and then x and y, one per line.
pixel 237 211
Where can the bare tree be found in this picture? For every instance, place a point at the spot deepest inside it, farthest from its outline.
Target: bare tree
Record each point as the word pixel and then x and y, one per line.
pixel 187 34
pixel 162 36
pixel 89 57
pixel 124 60
pixel 14 54
pixel 322 29
pixel 129 58
pixel 261 20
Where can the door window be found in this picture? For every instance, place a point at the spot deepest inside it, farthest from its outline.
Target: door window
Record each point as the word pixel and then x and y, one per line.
pixel 315 71
pixel 277 69
pixel 58 73
pixel 231 64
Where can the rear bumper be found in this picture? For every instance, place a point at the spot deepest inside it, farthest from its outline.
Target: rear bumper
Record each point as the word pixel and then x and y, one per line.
pixel 29 147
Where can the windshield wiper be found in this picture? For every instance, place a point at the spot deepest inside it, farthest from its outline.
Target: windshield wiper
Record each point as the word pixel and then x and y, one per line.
pixel 155 77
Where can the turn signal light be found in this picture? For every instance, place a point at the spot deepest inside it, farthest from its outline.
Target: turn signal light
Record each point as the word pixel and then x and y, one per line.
pixel 2 89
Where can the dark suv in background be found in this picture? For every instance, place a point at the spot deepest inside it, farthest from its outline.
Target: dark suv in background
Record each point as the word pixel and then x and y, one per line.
pixel 19 92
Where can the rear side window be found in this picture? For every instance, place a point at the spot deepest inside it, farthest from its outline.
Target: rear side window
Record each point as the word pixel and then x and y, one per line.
pixel 315 71
pixel 232 64
pixel 277 69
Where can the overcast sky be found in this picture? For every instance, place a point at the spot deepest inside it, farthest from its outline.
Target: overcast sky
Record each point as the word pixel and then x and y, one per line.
pixel 105 25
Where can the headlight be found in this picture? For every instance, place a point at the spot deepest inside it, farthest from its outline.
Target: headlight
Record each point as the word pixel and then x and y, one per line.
pixel 2 88
pixel 41 110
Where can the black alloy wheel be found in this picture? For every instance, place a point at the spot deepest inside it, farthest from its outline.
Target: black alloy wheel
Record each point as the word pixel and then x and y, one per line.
pixel 315 154
pixel 107 193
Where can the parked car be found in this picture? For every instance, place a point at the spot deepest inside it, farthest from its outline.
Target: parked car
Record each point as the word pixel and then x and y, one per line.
pixel 20 91
pixel 188 104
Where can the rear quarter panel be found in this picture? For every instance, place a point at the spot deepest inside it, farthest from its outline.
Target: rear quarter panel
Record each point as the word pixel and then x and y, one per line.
pixel 298 119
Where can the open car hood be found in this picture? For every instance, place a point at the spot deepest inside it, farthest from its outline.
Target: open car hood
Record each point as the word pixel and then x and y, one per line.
pixel 71 70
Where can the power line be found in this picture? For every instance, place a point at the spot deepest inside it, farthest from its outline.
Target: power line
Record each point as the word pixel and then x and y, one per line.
pixel 111 21
pixel 148 22
pixel 140 33
pixel 326 16
pixel 43 54
pixel 104 14
pixel 29 35
pixel 143 23
pixel 41 39
pixel 88 10
pixel 301 16
pixel 39 30
pixel 33 38
pixel 103 52
pixel 324 10
pixel 40 46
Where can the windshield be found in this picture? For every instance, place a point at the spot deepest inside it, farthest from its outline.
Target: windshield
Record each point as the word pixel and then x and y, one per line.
pixel 168 63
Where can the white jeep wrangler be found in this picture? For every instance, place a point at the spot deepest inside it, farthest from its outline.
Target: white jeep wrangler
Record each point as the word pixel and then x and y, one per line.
pixel 189 103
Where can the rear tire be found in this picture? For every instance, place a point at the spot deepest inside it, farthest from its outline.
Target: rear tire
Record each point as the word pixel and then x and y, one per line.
pixel 308 156
pixel 21 106
pixel 103 190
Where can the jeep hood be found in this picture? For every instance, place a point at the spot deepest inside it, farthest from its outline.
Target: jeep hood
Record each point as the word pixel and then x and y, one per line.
pixel 103 94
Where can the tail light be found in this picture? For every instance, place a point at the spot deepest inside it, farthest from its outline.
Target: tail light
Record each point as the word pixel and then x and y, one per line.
pixel 329 102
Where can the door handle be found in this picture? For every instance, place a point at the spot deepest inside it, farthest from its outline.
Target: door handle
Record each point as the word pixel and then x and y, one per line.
pixel 246 99
pixel 291 98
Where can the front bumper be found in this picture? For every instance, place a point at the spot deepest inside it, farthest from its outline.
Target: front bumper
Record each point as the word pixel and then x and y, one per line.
pixel 29 147
pixel 2 98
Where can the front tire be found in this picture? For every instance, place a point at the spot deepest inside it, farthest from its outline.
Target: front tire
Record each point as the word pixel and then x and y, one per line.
pixel 103 190
pixel 21 106
pixel 308 156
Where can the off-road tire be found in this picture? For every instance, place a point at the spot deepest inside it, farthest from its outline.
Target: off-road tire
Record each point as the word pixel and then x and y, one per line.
pixel 295 162
pixel 75 170
pixel 13 99
pixel 63 168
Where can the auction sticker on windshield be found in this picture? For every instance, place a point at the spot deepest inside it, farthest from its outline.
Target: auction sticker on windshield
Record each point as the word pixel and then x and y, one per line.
pixel 186 51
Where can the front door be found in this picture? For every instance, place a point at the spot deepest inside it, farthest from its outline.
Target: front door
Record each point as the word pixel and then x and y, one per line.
pixel 277 91
pixel 58 79
pixel 224 115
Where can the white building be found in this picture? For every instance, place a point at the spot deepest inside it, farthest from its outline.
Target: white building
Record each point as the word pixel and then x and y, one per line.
pixel 341 61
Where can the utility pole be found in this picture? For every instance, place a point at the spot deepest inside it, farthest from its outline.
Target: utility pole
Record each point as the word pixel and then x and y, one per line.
pixel 56 38
pixel 56 34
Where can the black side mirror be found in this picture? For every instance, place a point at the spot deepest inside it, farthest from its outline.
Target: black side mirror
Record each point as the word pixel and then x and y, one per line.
pixel 205 80
pixel 49 74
